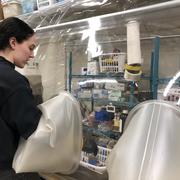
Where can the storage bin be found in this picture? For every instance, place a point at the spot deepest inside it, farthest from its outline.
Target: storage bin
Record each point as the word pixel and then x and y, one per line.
pixel 112 62
pixel 28 6
pixel 101 158
pixel 44 3
pixel 11 8
pixel 62 2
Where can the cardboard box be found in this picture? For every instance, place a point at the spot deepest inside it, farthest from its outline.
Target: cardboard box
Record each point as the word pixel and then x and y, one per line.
pixel 12 8
pixel 1 13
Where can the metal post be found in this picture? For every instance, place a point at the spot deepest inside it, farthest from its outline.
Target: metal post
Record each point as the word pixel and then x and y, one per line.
pixel 151 74
pixel 70 71
pixel 131 97
pixel 155 68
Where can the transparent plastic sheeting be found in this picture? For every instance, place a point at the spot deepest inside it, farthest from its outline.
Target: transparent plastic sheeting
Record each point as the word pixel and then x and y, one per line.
pixel 72 10
pixel 150 147
pixel 56 144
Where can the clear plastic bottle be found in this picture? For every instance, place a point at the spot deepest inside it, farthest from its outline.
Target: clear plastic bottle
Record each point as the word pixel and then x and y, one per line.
pixel 116 122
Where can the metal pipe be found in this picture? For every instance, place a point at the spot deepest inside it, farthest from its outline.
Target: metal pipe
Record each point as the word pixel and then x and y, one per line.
pixel 125 40
pixel 132 12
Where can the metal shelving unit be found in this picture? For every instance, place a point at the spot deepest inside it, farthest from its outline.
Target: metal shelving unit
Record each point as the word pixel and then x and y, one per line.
pixel 154 77
pixel 106 134
pixel 130 104
pixel 47 21
pixel 106 101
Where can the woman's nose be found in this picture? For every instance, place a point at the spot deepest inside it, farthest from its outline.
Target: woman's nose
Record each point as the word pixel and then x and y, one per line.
pixel 32 55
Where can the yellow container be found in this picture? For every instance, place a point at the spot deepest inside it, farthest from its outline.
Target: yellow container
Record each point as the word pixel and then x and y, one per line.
pixel 11 8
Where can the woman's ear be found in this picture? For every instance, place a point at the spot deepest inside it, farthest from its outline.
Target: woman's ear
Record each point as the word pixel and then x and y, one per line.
pixel 12 42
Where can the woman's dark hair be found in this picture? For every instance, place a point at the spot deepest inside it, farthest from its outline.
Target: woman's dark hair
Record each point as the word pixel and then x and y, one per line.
pixel 14 27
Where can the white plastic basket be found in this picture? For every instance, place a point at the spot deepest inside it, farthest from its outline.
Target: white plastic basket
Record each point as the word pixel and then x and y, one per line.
pixel 101 158
pixel 112 62
pixel 46 3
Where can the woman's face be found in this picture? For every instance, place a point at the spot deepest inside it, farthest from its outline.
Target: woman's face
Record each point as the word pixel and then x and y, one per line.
pixel 24 51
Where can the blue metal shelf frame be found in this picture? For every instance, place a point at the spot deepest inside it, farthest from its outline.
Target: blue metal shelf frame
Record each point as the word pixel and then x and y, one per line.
pixel 154 77
pixel 106 101
pixel 70 72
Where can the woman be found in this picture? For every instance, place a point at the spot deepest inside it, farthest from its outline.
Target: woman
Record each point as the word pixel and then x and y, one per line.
pixel 19 115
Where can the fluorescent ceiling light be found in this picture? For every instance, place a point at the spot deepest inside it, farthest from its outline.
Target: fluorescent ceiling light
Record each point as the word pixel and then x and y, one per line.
pixel 93 47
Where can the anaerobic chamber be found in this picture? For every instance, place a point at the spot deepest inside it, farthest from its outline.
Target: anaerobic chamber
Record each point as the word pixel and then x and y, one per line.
pixel 149 149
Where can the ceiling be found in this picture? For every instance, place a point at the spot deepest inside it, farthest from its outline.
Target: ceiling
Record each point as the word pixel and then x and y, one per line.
pixel 114 14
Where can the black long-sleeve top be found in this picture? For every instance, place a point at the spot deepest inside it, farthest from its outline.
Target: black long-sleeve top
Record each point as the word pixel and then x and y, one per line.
pixel 19 115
